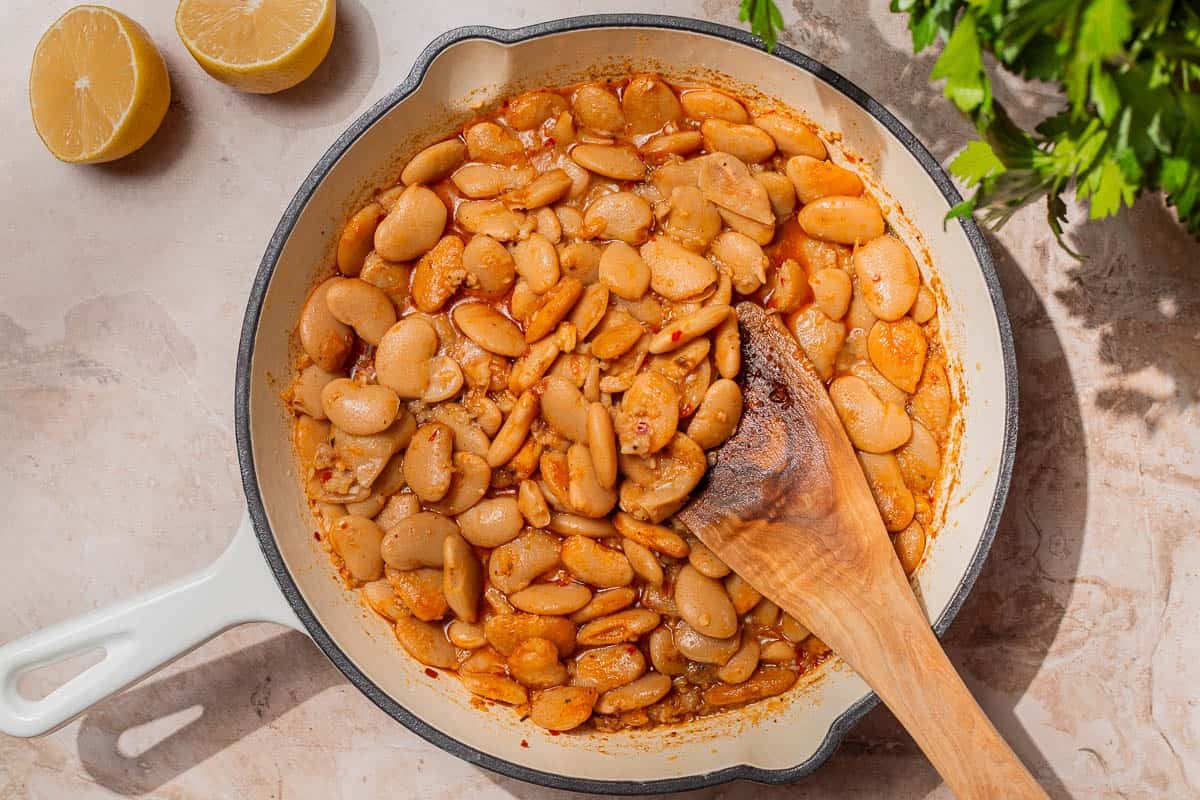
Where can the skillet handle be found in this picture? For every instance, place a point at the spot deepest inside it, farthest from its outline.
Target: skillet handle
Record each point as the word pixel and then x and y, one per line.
pixel 139 635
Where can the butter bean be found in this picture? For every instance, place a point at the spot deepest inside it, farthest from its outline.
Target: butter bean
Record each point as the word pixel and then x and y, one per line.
pixel 692 219
pixel 919 459
pixel 491 218
pixel 872 425
pixel 506 632
pixel 513 566
pixel 659 148
pixel 814 178
pixel 468 483
pixel 703 603
pixel 743 596
pixel 746 142
pixel 741 664
pixel 488 328
pixel 718 415
pixel 416 541
pixel 543 190
pixel 586 494
pixel 925 306
pixel 306 390
pixel 361 306
pixel 357 540
pixel 402 360
pixel 648 414
pixel 887 276
pixel 897 350
pixel 676 272
pixel 563 707
pixel 530 110
pixel 552 307
pixel 357 409
pixel 576 525
pixel 467 635
pixel 532 504
pixel 595 564
pixel 426 643
pixel 932 402
pixel 703 649
pixel 705 104
pixel 463 578
pixel 792 137
pixel 659 538
pixel 551 598
pixel 493 144
pixel 685 329
pixel 535 664
pixel 645 564
pixel 537 262
pixel 438 274
pixel 845 220
pixel 428 467
pixel 725 181
pixel 894 499
pixel 599 109
pixel 780 192
pixel 727 348
pixel 605 668
pixel 421 592
pixel 649 104
pixel 413 226
pixel 605 603
pixel 513 432
pixel 623 626
pixel 491 523
pixel 590 309
pixel 619 162
pixel 831 292
pixel 620 215
pixel 434 162
pixel 910 547
pixel 495 687
pixel 326 340
pixel 481 181
pixel 358 238
pixel 382 600
pixel 819 336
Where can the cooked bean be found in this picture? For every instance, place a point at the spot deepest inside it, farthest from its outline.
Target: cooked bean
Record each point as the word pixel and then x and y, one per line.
pixel 428 467
pixel 644 691
pixel 831 290
pixel 468 436
pixel 620 335
pixel 819 336
pixel 556 480
pixel 548 224
pixel 388 197
pixel 718 415
pixel 438 274
pixel 599 109
pixel 564 408
pixel 931 404
pixel 426 643
pixel 692 218
pixel 619 162
pixel 537 262
pixel 780 192
pixel 551 598
pixel 659 148
pixel 468 484
pixel 552 307
pixel 741 664
pixel 490 329
pixel 358 409
pixel 399 507
pixel 894 499
pixel 595 564
pixel 910 546
pixel 357 540
pixel 506 632
pixel 310 434
pixel 391 278
pixel 484 661
pixel 488 264
pixel 434 162
pixel 746 142
pixel 792 630
pixel 402 359
pixel 421 592
pixel 535 664
pixel 704 649
pixel 743 596
pixel 727 348
pixel 846 220
pixel 681 466
pixel 581 260
pixel 815 178
pixel 764 615
pixel 887 276
pixel 605 603
pixel 649 104
pixel 495 687
pixel 467 635
pixel 623 271
pixel 620 215
pixel 489 142
pixel 656 537
pixel 663 653
pixel 793 138
pixel 766 682
pixel 570 218
pixel 873 425
pixel 623 626
pixel 605 668
pixel 532 504
pixel 587 496
pixel 306 390
pixel 368 456
pixel 357 238
pixel 897 350
pixel 925 306
pixel 416 541
pixel 491 523
pixel 529 110
pixel 676 272
pixel 703 603
pixel 480 181
pixel 745 259
pixel 602 444
pixel 575 525
pixel 367 508
pixel 513 566
pixel 491 218
pixel 683 330
pixel 919 458
pixel 705 104
pixel 725 181
pixel 326 340
pixel 645 564
pixel 787 287
pixel 705 561
pixel 383 601
pixel 445 380
pixel 563 707
pixel 497 601
pixel 543 190
pixel 413 226
pixel 512 433
pixel 648 415
pixel 777 652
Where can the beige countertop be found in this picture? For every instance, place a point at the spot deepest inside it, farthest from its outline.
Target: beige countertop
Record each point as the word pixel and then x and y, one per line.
pixel 121 301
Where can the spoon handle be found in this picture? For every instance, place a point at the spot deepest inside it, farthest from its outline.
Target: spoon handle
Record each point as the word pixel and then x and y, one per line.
pixel 883 634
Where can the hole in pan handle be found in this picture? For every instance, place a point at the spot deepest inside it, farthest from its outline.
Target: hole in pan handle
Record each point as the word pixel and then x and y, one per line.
pixel 139 635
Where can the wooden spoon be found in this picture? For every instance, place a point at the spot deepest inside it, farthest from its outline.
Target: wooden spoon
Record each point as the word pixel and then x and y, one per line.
pixel 787 506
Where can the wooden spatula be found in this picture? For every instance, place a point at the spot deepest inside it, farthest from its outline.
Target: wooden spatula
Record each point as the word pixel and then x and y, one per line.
pixel 787 506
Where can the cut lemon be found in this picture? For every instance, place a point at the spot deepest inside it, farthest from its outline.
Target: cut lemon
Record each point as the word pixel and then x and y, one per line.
pixel 261 46
pixel 98 88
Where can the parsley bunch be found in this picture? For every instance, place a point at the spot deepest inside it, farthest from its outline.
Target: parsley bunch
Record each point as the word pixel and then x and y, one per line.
pixel 1130 72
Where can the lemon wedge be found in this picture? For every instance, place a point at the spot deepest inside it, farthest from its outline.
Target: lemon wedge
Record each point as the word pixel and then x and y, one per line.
pixel 98 87
pixel 261 46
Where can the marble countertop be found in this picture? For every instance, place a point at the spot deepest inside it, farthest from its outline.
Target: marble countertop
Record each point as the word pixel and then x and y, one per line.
pixel 122 295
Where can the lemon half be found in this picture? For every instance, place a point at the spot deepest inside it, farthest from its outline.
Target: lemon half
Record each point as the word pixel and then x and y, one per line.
pixel 98 87
pixel 260 46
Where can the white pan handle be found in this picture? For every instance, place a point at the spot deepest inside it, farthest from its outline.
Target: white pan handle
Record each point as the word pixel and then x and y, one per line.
pixel 140 634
